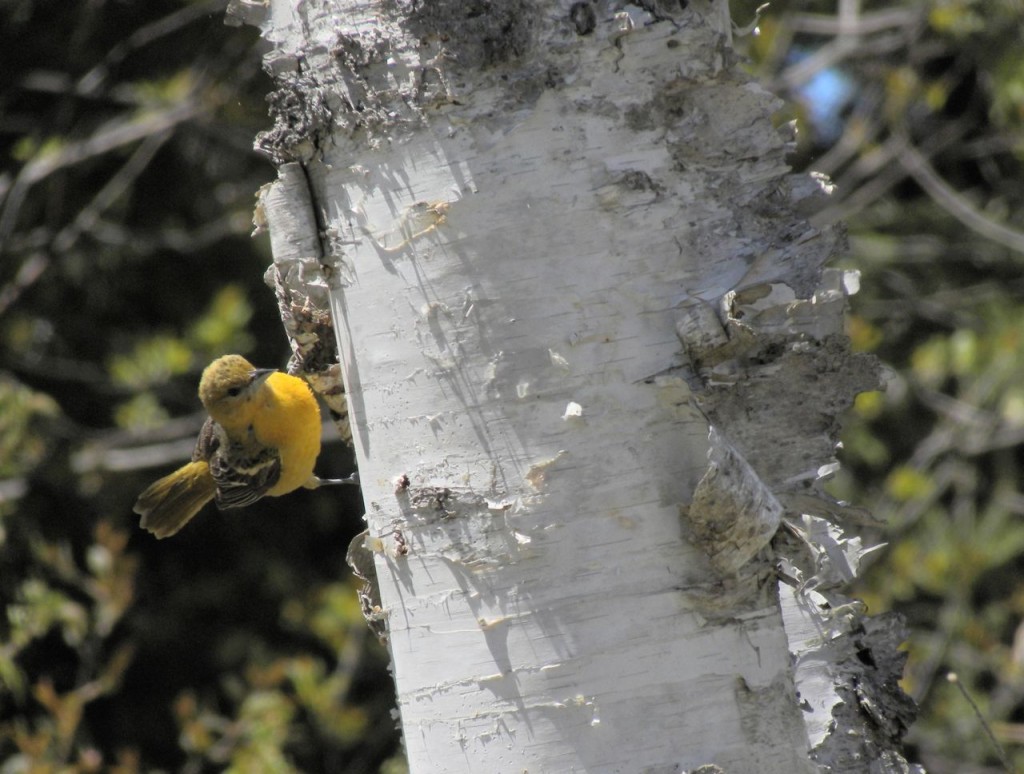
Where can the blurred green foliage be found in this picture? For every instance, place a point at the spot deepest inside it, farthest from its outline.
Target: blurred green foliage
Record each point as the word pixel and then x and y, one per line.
pixel 25 416
pixel 949 484
pixel 937 456
pixel 126 192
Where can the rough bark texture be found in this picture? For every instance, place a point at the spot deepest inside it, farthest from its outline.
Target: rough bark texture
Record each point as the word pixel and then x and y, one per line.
pixel 592 365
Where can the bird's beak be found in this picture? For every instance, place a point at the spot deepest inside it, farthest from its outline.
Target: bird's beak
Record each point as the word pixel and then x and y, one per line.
pixel 259 375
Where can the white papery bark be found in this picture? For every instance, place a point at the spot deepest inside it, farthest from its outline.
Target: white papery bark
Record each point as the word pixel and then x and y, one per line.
pixel 592 366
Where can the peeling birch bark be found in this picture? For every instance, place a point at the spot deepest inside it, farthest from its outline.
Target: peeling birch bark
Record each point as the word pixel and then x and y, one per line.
pixel 285 209
pixel 559 244
pixel 732 515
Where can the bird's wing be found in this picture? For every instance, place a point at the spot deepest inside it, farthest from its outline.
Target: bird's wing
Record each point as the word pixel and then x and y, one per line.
pixel 208 441
pixel 242 479
pixel 244 471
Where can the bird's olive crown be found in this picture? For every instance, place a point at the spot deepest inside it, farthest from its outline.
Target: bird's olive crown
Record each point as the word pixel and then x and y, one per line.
pixel 225 381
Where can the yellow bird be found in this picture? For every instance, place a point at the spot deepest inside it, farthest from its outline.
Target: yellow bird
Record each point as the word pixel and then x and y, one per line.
pixel 262 438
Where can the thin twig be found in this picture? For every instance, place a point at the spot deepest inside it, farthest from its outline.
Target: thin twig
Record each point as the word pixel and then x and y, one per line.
pixel 891 173
pixel 112 190
pixel 103 457
pixel 143 36
pixel 115 135
pixel 1000 752
pixel 953 202
pixel 865 24
pixel 36 264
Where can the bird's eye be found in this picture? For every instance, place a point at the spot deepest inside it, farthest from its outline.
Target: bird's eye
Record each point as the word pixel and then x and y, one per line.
pixel 234 392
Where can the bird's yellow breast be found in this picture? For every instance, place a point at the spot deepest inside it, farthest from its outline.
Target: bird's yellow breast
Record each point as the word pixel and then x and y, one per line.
pixel 287 418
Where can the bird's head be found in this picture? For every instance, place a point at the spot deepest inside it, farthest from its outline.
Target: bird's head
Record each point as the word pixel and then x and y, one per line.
pixel 228 386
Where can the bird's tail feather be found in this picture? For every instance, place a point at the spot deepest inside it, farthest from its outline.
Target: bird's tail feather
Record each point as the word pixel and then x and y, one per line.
pixel 170 503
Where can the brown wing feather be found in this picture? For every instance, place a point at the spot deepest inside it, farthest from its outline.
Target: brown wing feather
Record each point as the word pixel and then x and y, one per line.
pixel 243 471
pixel 208 441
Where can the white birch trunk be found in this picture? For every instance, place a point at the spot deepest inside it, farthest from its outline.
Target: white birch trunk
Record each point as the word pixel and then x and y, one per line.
pixel 592 366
